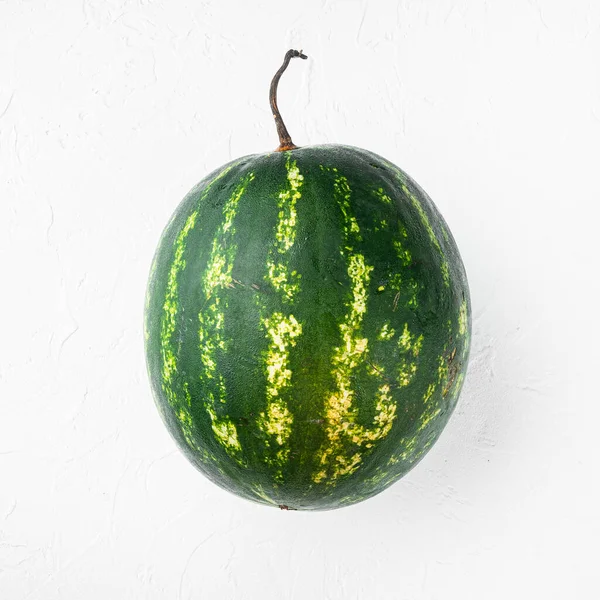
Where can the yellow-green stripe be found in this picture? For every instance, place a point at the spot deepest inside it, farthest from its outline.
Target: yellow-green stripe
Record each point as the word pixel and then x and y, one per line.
pixel 281 327
pixel 217 277
pixel 340 415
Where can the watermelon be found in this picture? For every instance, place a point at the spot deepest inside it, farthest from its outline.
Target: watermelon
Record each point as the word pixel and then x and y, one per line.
pixel 307 325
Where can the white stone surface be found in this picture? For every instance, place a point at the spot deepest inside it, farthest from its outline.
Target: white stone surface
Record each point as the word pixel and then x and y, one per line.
pixel 111 110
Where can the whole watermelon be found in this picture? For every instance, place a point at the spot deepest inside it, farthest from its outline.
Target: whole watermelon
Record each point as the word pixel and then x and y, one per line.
pixel 307 326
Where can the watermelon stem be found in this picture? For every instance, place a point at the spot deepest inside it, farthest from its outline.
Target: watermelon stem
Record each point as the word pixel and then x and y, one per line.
pixel 285 141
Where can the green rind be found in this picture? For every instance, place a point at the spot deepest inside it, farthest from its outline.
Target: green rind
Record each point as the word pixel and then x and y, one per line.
pixel 417 326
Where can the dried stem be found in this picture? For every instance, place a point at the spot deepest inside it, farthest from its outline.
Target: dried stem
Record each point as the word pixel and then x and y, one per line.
pixel 285 141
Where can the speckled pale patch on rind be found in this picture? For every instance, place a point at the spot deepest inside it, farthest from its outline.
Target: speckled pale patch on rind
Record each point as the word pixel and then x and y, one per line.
pixel 225 432
pixel 342 432
pixel 409 347
pixel 284 281
pixel 396 282
pixel 185 418
pixel 380 193
pixel 432 410
pixel 402 253
pixel 217 277
pixel 281 329
pixel 276 421
pixel 409 447
pixel 341 190
pixel 413 290
pixel 442 370
pixel 386 332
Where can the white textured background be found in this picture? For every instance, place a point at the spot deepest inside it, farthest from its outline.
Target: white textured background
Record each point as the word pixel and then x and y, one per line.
pixel 111 110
